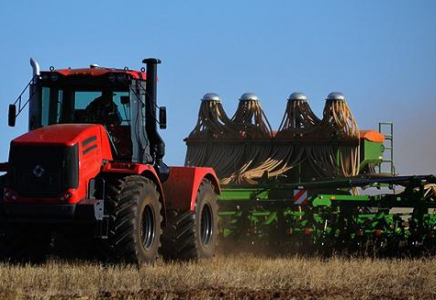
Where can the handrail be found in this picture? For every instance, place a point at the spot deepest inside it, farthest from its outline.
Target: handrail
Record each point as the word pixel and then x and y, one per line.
pixel 21 106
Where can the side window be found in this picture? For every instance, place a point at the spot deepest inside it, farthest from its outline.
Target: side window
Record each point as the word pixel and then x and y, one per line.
pixel 121 99
pixel 45 106
pixel 51 106
pixel 60 100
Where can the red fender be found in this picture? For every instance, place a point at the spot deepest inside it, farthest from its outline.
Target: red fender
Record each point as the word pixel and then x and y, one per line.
pixel 182 186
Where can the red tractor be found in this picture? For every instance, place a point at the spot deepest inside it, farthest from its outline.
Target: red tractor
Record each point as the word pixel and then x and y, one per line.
pixel 90 174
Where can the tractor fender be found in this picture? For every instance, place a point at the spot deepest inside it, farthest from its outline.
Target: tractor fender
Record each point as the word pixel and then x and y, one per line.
pixel 182 186
pixel 147 171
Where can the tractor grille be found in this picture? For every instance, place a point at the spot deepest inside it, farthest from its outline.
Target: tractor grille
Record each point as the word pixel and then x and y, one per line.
pixel 43 171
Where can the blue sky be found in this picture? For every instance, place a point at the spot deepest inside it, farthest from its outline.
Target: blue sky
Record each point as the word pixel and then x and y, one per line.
pixel 380 54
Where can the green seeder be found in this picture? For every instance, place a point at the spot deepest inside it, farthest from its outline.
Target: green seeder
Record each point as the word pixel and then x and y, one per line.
pixel 314 185
pixel 321 216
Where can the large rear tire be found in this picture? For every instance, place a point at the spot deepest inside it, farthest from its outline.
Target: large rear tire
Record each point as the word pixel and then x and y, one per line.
pixel 134 220
pixel 192 235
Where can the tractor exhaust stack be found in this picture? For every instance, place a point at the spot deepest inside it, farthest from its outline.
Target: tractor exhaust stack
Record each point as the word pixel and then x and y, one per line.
pixel 157 144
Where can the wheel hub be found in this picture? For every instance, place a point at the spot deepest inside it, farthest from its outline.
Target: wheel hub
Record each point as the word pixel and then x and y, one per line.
pixel 147 227
pixel 206 225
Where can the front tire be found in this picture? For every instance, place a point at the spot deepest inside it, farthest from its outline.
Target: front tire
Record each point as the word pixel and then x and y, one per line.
pixel 134 220
pixel 193 235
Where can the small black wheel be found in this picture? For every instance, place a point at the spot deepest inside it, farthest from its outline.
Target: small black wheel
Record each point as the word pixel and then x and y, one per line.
pixel 191 235
pixel 135 219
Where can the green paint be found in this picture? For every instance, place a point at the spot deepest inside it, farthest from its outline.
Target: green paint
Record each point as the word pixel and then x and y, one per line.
pixel 371 153
pixel 266 213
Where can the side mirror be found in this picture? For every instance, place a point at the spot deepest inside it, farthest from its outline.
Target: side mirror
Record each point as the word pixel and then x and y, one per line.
pixel 162 117
pixel 12 115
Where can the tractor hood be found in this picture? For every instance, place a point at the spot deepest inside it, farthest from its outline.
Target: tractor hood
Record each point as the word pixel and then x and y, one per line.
pixel 62 134
pixel 48 162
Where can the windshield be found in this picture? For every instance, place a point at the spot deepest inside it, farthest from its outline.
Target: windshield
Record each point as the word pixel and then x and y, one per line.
pixel 106 107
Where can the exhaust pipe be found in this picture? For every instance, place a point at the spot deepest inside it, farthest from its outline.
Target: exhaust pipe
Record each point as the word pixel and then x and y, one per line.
pixel 34 99
pixel 35 67
pixel 157 144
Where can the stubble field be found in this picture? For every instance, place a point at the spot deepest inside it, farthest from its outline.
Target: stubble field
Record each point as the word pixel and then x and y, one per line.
pixel 225 277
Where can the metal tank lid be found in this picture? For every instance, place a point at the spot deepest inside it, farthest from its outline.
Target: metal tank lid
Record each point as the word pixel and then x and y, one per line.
pixel 297 96
pixel 249 97
pixel 336 96
pixel 211 97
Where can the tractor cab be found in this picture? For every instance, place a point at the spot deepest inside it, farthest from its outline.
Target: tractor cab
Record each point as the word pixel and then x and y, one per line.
pixel 118 99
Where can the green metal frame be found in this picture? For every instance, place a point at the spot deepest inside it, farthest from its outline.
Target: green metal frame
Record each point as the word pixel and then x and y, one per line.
pixel 332 218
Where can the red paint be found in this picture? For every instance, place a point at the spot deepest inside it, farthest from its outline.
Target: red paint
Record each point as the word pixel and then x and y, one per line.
pixel 95 72
pixel 299 194
pixel 182 186
pixel 180 190
pixel 128 168
pixel 60 134
pixel 68 135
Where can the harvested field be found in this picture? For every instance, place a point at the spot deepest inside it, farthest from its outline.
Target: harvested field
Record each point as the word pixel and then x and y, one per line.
pixel 230 277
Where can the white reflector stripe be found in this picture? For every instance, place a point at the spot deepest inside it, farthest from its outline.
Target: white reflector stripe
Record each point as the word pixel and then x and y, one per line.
pixel 300 196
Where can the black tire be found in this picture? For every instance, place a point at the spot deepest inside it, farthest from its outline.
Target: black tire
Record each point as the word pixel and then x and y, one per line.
pixel 22 244
pixel 192 235
pixel 135 218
